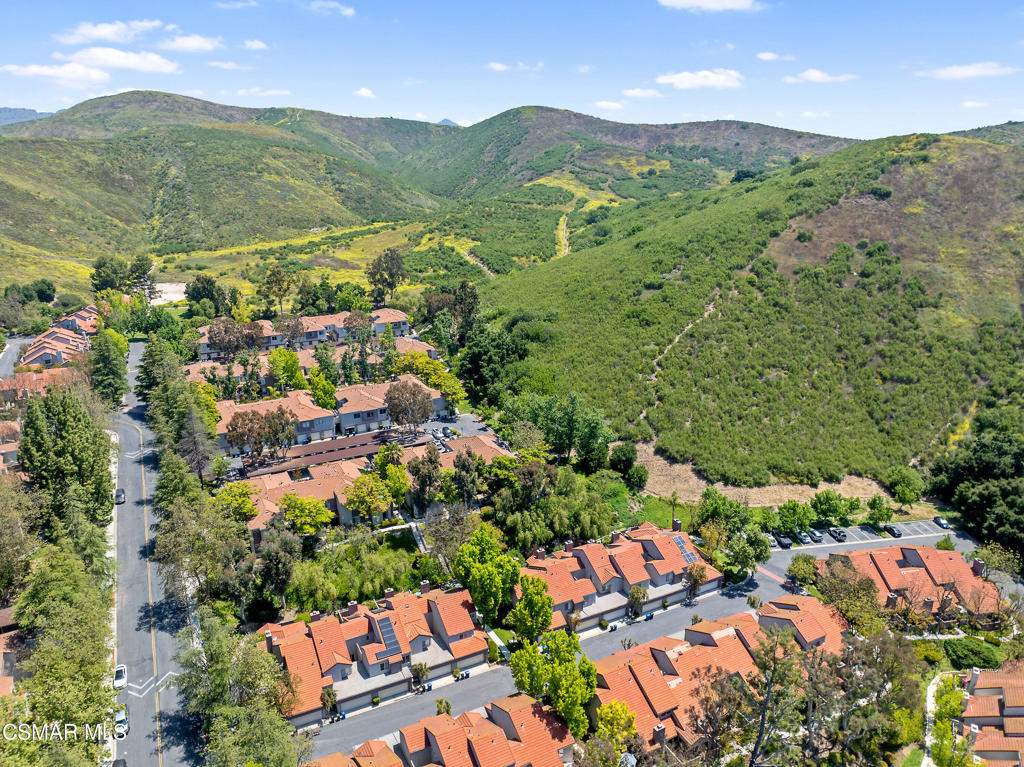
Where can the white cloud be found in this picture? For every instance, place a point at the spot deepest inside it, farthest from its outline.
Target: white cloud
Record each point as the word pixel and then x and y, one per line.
pixel 228 65
pixel 71 75
pixel 772 56
pixel 464 123
pixel 968 71
pixel 973 104
pixel 255 45
pixel 730 47
pixel 705 78
pixel 817 76
pixel 109 32
pixel 584 68
pixel 330 6
pixel 497 66
pixel 420 116
pixel 263 92
pixel 815 114
pixel 642 93
pixel 364 93
pixel 234 5
pixel 608 105
pixel 712 5
pixel 527 68
pixel 192 44
pixel 115 58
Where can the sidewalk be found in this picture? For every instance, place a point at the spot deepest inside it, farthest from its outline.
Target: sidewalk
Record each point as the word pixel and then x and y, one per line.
pixel 115 451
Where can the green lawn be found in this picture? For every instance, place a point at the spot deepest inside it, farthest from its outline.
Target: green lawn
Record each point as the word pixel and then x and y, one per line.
pixel 914 758
pixel 507 636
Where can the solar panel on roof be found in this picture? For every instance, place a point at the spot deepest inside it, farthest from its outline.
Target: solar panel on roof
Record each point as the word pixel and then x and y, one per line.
pixel 678 540
pixel 689 557
pixel 387 635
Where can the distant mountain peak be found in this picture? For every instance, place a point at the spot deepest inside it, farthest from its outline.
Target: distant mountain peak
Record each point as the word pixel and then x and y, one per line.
pixel 10 115
pixel 446 121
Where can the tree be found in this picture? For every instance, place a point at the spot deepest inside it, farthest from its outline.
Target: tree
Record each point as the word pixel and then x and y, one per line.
pixel 636 477
pixel 827 505
pixel 466 478
pixel 310 588
pixel 328 699
pixel 623 457
pixel 879 511
pixel 802 569
pixel 489 573
pixel 637 599
pixel 485 360
pixel 323 391
pixel 556 670
pixel 426 477
pixel 759 543
pixel 205 287
pixel 276 285
pixel 195 445
pixel 698 576
pixel 108 371
pixel 398 484
pixel 307 516
pixel 385 273
pixel 323 355
pixel 616 723
pixel 998 558
pixel 285 369
pixel 368 498
pixel 905 485
pixel 279 550
pixel 19 511
pixel 252 735
pixel 408 403
pixel 532 614
pixel 855 596
pixel 795 516
pixel 390 454
pixel 109 272
pixel 443 706
pixel 234 500
pixel 714 506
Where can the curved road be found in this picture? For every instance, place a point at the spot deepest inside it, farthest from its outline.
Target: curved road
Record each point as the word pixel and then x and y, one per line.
pixel 161 734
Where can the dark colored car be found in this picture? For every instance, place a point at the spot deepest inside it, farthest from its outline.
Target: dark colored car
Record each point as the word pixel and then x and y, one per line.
pixel 941 522
pixel 814 535
pixel 839 535
pixel 894 531
pixel 119 496
pixel 781 539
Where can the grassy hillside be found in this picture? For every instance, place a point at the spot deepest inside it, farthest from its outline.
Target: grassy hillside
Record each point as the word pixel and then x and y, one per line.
pixel 523 144
pixel 177 189
pixel 1009 132
pixel 667 316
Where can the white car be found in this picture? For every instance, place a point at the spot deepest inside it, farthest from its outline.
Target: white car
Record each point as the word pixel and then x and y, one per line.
pixel 120 676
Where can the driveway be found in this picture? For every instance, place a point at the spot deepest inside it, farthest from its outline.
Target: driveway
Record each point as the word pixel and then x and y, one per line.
pixel 465 424
pixel 9 356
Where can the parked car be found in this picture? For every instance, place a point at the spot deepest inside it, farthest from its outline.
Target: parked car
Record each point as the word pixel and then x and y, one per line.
pixel 814 535
pixel 121 723
pixel 120 676
pixel 839 535
pixel 448 432
pixel 803 537
pixel 781 539
pixel 894 531
pixel 119 496
pixel 941 522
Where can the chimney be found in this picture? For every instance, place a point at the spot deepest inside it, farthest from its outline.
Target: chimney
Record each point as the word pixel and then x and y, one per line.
pixel 966 701
pixel 389 593
pixel 314 616
pixel 929 605
pixel 352 607
pixel 974 733
pixel 270 640
pixel 947 600
pixel 892 600
pixel 568 545
pixel 677 525
pixel 977 567
pixel 424 587
pixel 615 539
pixel 975 674
pixel 659 734
pixel 540 553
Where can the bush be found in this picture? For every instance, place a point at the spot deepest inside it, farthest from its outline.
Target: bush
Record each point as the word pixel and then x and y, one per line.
pixel 862 243
pixel 391 522
pixel 664 604
pixel 929 652
pixel 304 617
pixel 946 544
pixel 969 652
pixel 636 477
pixel 603 624
pixel 992 639
pixel 623 457
pixel 802 569
pixel 804 236
pixel 375 700
pixel 492 651
pixel 456 672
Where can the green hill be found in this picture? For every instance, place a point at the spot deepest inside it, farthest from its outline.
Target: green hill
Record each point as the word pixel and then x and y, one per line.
pixel 177 188
pixel 669 315
pixel 1009 132
pixel 520 145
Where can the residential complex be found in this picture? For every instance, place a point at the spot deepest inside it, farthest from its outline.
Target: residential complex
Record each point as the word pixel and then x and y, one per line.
pixel 993 714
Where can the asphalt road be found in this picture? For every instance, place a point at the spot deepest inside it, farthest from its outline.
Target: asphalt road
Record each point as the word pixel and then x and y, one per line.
pixel 9 356
pixel 161 735
pixel 484 687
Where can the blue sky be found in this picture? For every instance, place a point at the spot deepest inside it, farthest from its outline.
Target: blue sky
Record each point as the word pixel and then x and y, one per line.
pixel 860 69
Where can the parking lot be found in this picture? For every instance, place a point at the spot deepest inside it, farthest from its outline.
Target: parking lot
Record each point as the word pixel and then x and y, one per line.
pixel 921 528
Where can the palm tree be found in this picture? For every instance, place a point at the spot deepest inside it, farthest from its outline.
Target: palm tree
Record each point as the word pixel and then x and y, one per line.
pixel 328 699
pixel 674 499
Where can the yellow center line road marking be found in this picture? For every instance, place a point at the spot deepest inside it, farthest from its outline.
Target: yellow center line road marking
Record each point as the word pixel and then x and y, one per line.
pixel 149 589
